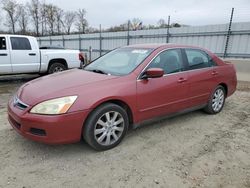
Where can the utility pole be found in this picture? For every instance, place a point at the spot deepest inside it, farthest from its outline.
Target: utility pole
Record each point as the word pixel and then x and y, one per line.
pixel 100 40
pixel 168 29
pixel 128 36
pixel 228 33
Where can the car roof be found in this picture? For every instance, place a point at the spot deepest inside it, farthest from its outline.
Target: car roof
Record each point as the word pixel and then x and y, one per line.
pixel 51 47
pixel 160 45
pixel 14 35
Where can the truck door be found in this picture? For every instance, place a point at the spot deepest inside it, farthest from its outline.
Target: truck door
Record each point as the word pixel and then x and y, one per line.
pixel 25 55
pixel 5 64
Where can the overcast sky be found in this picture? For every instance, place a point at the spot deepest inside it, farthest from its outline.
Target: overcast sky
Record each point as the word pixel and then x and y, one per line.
pixel 190 12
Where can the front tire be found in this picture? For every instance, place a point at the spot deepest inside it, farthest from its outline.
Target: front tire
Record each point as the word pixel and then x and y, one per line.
pixel 106 127
pixel 56 67
pixel 216 101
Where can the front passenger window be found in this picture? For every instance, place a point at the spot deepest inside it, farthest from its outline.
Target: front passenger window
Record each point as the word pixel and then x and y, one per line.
pixel 170 61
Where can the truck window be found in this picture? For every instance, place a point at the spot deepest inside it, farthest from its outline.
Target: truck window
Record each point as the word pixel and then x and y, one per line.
pixel 20 43
pixel 2 43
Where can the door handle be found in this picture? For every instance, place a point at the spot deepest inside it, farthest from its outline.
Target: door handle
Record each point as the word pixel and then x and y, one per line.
pixel 32 54
pixel 214 73
pixel 3 54
pixel 181 80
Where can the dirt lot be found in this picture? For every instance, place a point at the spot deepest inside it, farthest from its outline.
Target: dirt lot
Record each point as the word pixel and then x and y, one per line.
pixel 192 150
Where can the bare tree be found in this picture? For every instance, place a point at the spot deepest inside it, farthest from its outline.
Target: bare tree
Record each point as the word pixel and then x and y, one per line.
pixel 161 23
pixel 1 15
pixel 92 30
pixel 175 25
pixel 34 7
pixel 43 18
pixel 51 17
pixel 136 23
pixel 121 27
pixel 81 23
pixel 23 19
pixel 11 8
pixel 59 19
pixel 69 19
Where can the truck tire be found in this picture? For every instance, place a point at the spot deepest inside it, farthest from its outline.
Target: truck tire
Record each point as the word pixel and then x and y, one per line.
pixel 56 67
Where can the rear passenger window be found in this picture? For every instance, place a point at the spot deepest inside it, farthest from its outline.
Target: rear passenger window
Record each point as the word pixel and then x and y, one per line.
pixel 170 61
pixel 197 59
pixel 2 43
pixel 20 43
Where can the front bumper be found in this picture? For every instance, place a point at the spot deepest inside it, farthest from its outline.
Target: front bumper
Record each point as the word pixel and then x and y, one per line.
pixel 57 129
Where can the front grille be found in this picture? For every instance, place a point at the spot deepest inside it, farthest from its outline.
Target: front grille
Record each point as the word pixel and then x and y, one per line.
pixel 19 104
pixel 15 123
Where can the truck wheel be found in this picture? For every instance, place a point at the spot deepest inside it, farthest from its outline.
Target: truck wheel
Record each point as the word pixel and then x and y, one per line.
pixel 56 67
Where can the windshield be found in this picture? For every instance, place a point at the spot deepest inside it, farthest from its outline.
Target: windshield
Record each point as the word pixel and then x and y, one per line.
pixel 119 62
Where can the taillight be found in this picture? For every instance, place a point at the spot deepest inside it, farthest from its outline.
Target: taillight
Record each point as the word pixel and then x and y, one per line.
pixel 81 57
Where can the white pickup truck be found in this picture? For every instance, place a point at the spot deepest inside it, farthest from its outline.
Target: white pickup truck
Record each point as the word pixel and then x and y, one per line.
pixel 21 54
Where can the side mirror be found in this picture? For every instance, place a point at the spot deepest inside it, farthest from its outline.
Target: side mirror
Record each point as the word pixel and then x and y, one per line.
pixel 153 73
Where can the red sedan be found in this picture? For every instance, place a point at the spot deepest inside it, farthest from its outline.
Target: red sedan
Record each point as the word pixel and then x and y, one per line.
pixel 121 89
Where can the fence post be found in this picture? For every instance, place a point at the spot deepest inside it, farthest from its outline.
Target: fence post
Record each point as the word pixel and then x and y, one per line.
pixel 50 40
pixel 80 42
pixel 128 36
pixel 90 54
pixel 39 40
pixel 168 29
pixel 100 40
pixel 228 33
pixel 63 41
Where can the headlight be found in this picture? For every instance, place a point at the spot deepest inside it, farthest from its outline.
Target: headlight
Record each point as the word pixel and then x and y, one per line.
pixel 54 106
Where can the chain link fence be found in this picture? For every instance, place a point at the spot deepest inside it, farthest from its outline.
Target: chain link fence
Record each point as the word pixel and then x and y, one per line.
pixel 226 40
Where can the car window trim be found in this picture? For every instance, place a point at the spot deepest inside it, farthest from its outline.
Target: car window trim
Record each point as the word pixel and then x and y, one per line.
pixel 184 61
pixel 3 37
pixel 186 71
pixel 17 37
pixel 208 57
pixel 141 73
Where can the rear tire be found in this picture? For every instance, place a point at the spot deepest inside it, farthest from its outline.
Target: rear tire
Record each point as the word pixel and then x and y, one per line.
pixel 56 67
pixel 106 127
pixel 216 101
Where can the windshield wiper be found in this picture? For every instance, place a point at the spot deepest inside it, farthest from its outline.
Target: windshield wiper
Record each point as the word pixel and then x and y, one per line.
pixel 98 71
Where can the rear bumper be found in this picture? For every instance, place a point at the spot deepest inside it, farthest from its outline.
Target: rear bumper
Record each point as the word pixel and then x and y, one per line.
pixel 59 129
pixel 232 86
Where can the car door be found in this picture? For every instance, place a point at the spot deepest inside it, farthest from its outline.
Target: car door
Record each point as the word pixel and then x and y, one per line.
pixel 5 64
pixel 202 76
pixel 25 57
pixel 164 95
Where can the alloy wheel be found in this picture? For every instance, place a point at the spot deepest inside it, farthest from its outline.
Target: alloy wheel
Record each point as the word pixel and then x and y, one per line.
pixel 109 128
pixel 218 100
pixel 58 69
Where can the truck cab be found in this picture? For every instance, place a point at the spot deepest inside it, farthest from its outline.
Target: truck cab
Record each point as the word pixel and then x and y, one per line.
pixel 19 54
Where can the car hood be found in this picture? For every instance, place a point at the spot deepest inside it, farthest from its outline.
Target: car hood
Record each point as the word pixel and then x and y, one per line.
pixel 59 85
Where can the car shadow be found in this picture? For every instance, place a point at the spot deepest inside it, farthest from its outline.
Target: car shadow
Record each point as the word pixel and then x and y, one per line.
pixel 17 78
pixel 82 148
pixel 10 83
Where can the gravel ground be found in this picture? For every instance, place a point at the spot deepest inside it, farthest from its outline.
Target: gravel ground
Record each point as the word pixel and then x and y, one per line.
pixel 192 150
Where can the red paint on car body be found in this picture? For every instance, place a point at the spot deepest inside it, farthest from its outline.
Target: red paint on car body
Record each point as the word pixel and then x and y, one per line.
pixel 146 98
